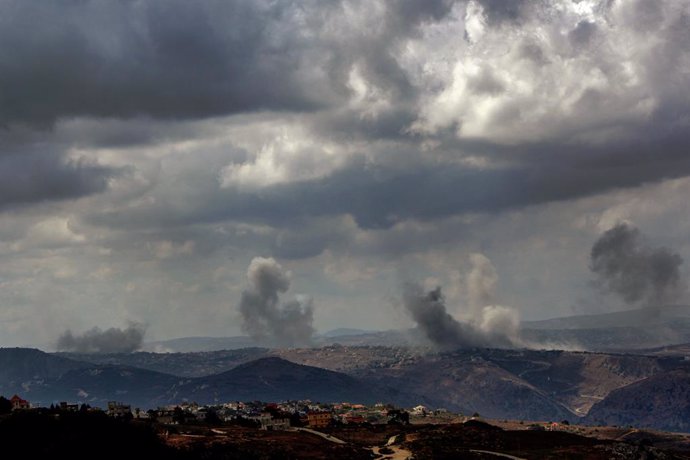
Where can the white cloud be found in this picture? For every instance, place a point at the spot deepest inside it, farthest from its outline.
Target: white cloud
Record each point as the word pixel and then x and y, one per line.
pixel 281 153
pixel 534 80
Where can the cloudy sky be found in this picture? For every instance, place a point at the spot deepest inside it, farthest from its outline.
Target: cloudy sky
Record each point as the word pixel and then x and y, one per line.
pixel 149 150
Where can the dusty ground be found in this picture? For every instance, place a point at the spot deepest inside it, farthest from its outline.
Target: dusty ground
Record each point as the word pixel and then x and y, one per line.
pixel 248 443
pixel 472 440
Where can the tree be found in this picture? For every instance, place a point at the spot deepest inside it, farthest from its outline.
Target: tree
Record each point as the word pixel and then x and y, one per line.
pixel 296 419
pixel 398 417
pixel 5 405
pixel 178 415
pixel 212 418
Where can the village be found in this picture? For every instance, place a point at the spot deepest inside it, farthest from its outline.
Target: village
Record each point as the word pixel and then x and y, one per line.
pixel 307 429
pixel 270 416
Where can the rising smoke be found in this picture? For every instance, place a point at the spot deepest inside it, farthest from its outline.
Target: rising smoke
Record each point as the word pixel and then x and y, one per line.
pixel 264 318
pixel 485 326
pixel 627 266
pixel 481 283
pixel 113 340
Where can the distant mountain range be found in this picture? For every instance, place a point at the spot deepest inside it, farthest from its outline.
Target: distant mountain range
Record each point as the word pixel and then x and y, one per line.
pixel 648 389
pixel 628 318
pixel 342 336
pixel 276 379
pixel 46 378
pixel 638 377
pixel 624 330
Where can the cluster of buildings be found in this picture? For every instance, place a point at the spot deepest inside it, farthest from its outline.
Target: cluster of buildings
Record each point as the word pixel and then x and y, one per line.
pixel 280 416
pixel 266 416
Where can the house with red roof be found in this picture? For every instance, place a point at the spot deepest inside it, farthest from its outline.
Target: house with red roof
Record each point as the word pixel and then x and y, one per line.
pixel 19 403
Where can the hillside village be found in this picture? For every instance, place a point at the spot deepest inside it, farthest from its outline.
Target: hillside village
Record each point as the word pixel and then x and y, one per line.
pixel 310 430
pixel 262 415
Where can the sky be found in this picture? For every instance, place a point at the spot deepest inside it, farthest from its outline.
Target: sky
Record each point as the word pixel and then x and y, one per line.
pixel 151 150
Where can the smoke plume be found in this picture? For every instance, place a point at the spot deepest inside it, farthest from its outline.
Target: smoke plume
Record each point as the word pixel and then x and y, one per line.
pixel 627 266
pixel 486 325
pixel 264 318
pixel 113 340
pixel 481 283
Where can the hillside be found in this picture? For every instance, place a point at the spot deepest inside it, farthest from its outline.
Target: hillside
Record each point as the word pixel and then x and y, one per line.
pixel 22 369
pixel 661 401
pixel 503 384
pixel 194 364
pixel 275 379
pixel 470 384
pixel 577 379
pixel 99 384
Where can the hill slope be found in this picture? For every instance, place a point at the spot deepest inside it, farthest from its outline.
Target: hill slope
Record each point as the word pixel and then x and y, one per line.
pixel 276 379
pixel 24 368
pixel 661 401
pixel 469 383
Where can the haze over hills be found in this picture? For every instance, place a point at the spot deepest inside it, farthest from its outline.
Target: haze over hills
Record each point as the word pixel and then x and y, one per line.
pixel 627 318
pixel 343 336
pixel 624 330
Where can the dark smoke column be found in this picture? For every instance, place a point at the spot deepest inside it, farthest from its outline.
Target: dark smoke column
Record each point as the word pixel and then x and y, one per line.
pixel 626 266
pixel 428 310
pixel 263 317
pixel 485 325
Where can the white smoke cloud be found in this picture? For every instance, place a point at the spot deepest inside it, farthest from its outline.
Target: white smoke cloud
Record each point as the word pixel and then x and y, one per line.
pixel 481 283
pixel 264 318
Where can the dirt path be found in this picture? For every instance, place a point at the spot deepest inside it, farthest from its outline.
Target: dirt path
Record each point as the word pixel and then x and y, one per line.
pixel 497 454
pixel 325 436
pixel 398 452
pixel 541 366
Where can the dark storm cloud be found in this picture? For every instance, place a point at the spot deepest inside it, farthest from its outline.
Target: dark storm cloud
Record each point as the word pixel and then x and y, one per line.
pixel 28 178
pixel 96 340
pixel 628 266
pixel 172 59
pixel 498 11
pixel 179 59
pixel 380 196
pixel 182 60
